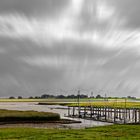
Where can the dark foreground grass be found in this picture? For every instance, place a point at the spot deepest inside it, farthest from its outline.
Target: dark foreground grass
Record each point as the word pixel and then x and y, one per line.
pixel 114 132
pixel 19 116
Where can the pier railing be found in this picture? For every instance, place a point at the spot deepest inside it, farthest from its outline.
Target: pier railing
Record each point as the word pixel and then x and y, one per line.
pixel 106 114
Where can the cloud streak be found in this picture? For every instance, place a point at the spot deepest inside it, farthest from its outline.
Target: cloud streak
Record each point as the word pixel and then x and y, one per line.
pixel 79 43
pixel 64 27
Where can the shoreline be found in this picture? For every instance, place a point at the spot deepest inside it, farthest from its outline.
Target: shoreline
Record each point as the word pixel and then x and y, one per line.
pixel 39 124
pixel 61 121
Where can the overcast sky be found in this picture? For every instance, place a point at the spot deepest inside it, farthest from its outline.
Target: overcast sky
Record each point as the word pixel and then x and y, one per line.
pixel 69 44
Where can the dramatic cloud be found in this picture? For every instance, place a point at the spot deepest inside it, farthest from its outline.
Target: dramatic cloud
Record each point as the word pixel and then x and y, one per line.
pixel 59 44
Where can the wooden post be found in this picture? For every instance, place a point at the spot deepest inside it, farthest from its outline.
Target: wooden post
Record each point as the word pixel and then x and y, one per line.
pixel 90 112
pixel 129 114
pixel 93 111
pixel 124 111
pixel 78 101
pixel 111 113
pixel 114 115
pixel 108 112
pixel 116 112
pixel 98 113
pixel 68 111
pixel 135 116
pixel 124 115
pixel 84 111
pixel 73 111
pixel 139 115
pixel 119 113
pixel 105 113
pixel 79 111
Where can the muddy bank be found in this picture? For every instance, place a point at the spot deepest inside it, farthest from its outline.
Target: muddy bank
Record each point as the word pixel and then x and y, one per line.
pixel 62 121
pixel 36 124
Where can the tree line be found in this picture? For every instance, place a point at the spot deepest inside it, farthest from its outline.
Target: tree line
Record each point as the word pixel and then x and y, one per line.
pixel 45 96
pixel 72 96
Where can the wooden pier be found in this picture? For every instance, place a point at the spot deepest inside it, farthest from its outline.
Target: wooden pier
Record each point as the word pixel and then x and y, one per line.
pixel 106 114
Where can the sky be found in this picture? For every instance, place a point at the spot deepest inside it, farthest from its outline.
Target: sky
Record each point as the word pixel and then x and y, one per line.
pixel 60 46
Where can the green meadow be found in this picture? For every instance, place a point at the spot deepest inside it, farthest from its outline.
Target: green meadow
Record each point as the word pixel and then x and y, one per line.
pixel 114 132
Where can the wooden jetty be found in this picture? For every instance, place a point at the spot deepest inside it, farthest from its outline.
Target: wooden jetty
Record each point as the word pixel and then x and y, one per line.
pixel 106 114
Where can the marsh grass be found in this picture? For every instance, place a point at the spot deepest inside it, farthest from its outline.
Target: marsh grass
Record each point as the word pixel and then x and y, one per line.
pixel 112 104
pixel 114 132
pixel 83 102
pixel 14 115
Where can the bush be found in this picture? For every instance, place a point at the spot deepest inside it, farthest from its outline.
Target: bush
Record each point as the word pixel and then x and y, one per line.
pixel 19 97
pixel 12 97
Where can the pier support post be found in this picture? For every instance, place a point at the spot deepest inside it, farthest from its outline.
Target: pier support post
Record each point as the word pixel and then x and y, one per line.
pixel 68 111
pixel 139 115
pixel 73 111
pixel 135 116
pixel 105 113
pixel 108 113
pixel 129 114
pixel 84 111
pixel 90 112
pixel 114 115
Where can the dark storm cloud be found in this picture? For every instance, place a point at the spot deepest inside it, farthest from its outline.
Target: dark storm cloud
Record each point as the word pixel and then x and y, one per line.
pixel 128 9
pixel 32 7
pixel 18 78
pixel 33 79
pixel 77 49
pixel 122 60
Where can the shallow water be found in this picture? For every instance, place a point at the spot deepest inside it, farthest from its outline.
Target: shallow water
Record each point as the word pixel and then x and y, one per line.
pixel 51 108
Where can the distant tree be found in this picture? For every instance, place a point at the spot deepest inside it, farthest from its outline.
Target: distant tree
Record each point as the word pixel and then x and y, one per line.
pixel 51 96
pixel 60 96
pixel 37 97
pixel 19 97
pixel 12 97
pixel 31 97
pixel 130 97
pixel 83 96
pixel 44 96
pixel 71 96
pixel 98 96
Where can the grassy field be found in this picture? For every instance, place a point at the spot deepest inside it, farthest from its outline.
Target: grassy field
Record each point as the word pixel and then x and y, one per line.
pixel 14 115
pixel 41 100
pixel 114 132
pixel 57 100
pixel 48 100
pixel 113 104
pixel 22 100
pixel 83 102
pixel 119 103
